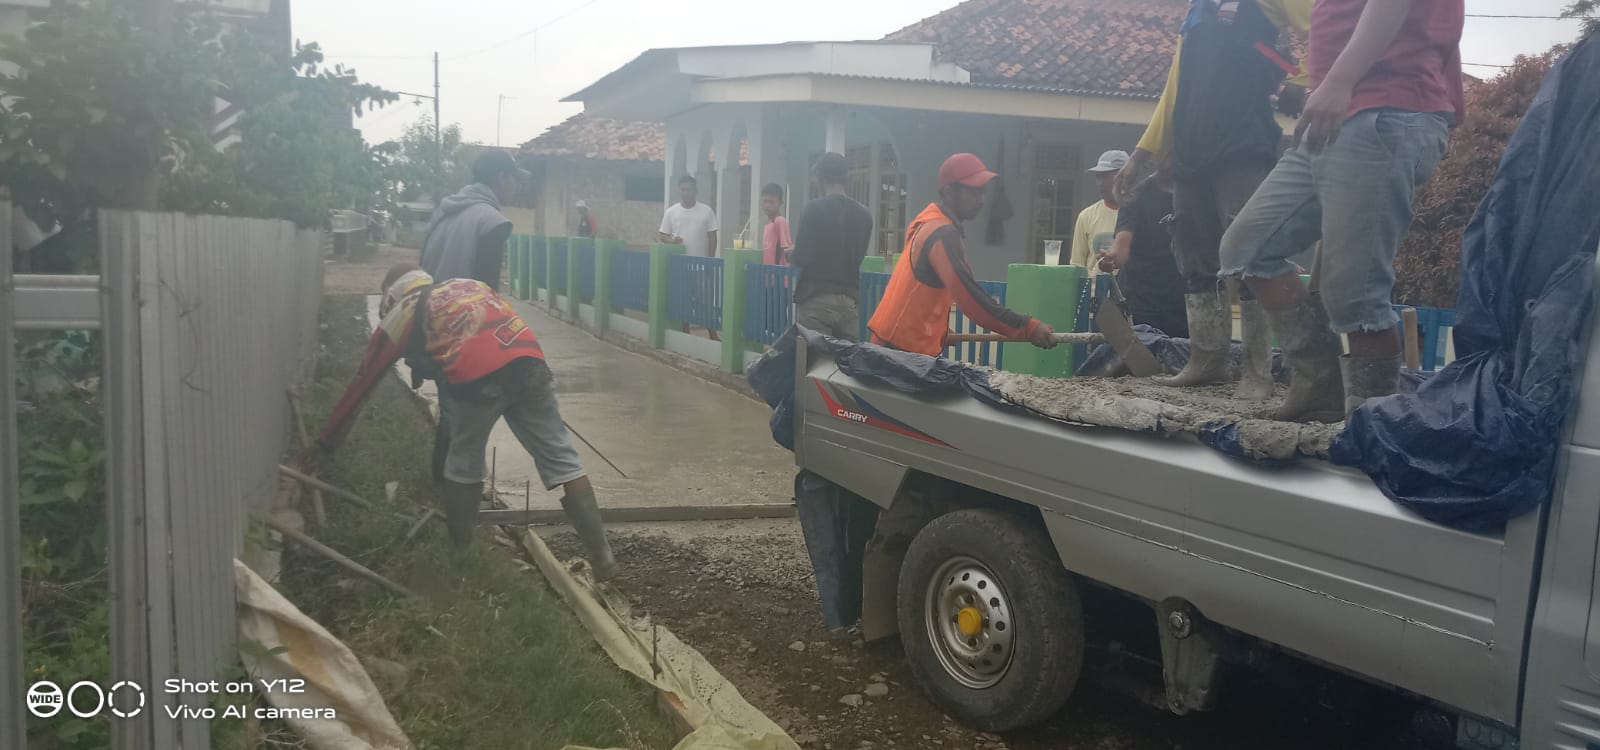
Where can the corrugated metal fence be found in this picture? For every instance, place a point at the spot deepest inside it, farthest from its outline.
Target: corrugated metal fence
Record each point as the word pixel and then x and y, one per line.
pixel 205 323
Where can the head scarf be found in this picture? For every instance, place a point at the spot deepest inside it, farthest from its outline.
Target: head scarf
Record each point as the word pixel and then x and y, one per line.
pixel 403 292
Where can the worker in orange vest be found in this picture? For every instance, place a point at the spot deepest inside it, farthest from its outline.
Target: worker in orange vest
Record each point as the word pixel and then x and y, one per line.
pixel 933 273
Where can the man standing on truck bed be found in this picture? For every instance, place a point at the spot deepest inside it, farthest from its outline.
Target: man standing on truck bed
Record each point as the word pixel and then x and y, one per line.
pixel 1386 78
pixel 834 233
pixel 933 272
pixel 1214 128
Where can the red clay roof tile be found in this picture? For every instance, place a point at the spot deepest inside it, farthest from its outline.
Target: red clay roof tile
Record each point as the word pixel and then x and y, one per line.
pixel 600 138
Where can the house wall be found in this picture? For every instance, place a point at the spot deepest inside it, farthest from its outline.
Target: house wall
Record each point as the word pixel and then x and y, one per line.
pixel 601 185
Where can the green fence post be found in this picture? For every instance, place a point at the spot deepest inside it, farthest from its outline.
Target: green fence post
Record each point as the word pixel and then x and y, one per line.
pixel 733 303
pixel 1049 294
pixel 872 264
pixel 573 297
pixel 658 292
pixel 602 284
pixel 535 270
pixel 525 270
pixel 553 246
pixel 513 262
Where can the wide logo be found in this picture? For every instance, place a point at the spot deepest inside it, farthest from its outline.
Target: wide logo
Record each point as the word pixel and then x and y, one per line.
pixel 86 700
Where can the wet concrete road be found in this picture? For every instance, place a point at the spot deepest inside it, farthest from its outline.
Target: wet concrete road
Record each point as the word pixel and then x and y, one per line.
pixel 679 439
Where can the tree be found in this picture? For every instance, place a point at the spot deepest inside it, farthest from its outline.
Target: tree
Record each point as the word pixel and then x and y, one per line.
pixel 420 168
pixel 98 106
pixel 1588 10
pixel 1428 267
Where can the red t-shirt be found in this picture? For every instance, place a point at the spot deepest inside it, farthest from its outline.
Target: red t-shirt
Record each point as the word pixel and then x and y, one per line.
pixel 1421 71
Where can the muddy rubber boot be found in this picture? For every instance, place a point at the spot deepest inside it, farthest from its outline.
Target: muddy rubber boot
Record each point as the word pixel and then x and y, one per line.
pixel 1312 349
pixel 460 503
pixel 1255 370
pixel 1366 378
pixel 584 513
pixel 1210 333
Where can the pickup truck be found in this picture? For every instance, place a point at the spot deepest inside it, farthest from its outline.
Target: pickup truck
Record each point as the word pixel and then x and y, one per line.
pixel 994 527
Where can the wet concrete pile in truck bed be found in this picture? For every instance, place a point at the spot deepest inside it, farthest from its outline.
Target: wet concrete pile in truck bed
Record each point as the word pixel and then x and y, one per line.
pixel 1139 405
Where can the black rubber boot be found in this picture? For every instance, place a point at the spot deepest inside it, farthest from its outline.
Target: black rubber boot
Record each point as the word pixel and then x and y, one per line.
pixel 1312 349
pixel 1368 378
pixel 584 513
pixel 1210 333
pixel 460 503
pixel 1255 370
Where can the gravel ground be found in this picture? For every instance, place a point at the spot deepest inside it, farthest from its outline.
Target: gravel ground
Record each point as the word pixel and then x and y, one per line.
pixel 742 593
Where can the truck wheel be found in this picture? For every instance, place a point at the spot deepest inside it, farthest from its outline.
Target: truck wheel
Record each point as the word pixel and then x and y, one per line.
pixel 991 621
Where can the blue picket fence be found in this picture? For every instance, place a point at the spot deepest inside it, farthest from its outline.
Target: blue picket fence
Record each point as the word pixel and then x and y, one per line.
pixel 630 280
pixel 1432 323
pixel 769 302
pixel 694 291
pixel 557 283
pixel 585 256
pixel 873 286
pixel 988 355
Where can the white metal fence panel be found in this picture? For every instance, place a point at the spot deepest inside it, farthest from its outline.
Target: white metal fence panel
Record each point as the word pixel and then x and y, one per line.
pixel 206 322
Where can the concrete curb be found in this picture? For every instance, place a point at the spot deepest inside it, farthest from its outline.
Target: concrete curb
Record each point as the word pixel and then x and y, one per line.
pixel 687 365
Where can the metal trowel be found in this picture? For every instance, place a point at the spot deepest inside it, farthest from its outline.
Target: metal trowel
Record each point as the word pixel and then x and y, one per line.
pixel 1112 318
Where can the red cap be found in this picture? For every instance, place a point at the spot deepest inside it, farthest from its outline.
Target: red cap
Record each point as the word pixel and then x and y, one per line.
pixel 966 169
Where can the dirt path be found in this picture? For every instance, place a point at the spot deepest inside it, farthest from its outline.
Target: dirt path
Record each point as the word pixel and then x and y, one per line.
pixel 364 277
pixel 743 594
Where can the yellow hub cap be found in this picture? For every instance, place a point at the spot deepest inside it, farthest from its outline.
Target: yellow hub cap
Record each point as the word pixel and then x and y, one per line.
pixel 970 620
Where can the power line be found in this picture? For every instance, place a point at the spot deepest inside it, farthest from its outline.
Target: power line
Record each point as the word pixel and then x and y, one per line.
pixel 1484 65
pixel 523 35
pixel 1515 15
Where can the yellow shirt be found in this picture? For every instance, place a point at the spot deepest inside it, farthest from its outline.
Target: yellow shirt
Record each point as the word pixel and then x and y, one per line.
pixel 1093 232
pixel 1291 16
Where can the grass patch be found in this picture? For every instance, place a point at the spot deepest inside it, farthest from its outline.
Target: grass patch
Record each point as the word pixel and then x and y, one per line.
pixel 506 665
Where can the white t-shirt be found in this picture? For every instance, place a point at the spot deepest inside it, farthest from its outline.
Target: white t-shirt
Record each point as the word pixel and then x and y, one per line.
pixel 693 225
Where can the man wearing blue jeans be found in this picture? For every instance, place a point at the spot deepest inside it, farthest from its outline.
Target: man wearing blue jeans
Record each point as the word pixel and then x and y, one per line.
pixel 1386 77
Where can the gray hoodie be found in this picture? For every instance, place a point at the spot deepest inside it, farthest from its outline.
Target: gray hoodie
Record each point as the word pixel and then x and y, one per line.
pixel 467 237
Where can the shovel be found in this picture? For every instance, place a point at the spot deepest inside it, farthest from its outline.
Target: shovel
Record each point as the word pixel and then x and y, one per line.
pixel 1118 330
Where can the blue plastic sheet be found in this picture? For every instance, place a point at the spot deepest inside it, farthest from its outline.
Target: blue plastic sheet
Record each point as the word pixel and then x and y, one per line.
pixel 1476 444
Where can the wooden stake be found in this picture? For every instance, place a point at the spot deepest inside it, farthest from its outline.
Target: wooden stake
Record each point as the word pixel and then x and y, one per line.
pixel 299 537
pixel 316 483
pixel 318 509
pixel 1408 330
pixel 421 522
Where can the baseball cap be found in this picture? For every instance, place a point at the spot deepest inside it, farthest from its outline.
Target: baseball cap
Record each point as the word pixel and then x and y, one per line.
pixel 1110 161
pixel 966 169
pixel 494 163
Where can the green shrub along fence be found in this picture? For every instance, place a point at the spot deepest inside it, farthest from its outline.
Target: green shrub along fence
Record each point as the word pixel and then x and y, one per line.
pixel 749 304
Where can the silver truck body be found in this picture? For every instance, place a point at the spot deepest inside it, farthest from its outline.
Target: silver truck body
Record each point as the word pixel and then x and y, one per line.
pixel 1310 557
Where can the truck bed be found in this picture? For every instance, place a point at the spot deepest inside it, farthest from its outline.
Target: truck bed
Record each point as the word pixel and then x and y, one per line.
pixel 1308 556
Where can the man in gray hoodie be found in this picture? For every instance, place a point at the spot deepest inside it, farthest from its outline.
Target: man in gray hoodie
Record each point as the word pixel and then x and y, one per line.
pixel 467 238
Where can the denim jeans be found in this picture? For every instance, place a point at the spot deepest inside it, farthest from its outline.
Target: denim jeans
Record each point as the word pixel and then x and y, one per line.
pixel 1355 197
pixel 528 404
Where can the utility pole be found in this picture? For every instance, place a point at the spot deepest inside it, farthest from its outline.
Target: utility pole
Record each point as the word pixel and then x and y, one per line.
pixel 498 109
pixel 438 128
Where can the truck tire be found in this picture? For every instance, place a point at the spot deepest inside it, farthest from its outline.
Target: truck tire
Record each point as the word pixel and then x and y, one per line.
pixel 990 620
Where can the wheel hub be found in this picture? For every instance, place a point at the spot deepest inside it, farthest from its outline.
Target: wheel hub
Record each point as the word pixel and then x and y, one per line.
pixel 970 622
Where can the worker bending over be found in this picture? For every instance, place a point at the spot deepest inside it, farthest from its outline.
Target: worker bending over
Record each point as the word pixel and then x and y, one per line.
pixel 933 273
pixel 1214 127
pixel 1386 88
pixel 488 365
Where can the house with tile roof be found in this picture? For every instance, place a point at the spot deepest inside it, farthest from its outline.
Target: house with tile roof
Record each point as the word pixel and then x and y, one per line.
pixel 615 166
pixel 1037 88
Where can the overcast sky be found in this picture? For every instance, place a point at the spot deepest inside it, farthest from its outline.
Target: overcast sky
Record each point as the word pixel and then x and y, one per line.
pixel 541 51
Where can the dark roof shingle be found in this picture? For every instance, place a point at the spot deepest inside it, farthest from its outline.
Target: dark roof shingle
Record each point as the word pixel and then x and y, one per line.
pixel 604 139
pixel 1121 47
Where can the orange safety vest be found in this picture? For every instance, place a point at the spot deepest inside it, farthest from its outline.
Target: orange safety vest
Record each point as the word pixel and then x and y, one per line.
pixel 913 316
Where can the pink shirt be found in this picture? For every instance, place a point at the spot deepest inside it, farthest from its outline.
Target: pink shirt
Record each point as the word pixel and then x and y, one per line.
pixel 1420 72
pixel 774 239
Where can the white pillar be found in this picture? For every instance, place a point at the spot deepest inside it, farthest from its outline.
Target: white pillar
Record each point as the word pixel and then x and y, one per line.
pixel 767 164
pixel 875 197
pixel 835 127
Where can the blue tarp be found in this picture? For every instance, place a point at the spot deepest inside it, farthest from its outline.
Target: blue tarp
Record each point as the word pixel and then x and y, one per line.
pixel 1476 444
